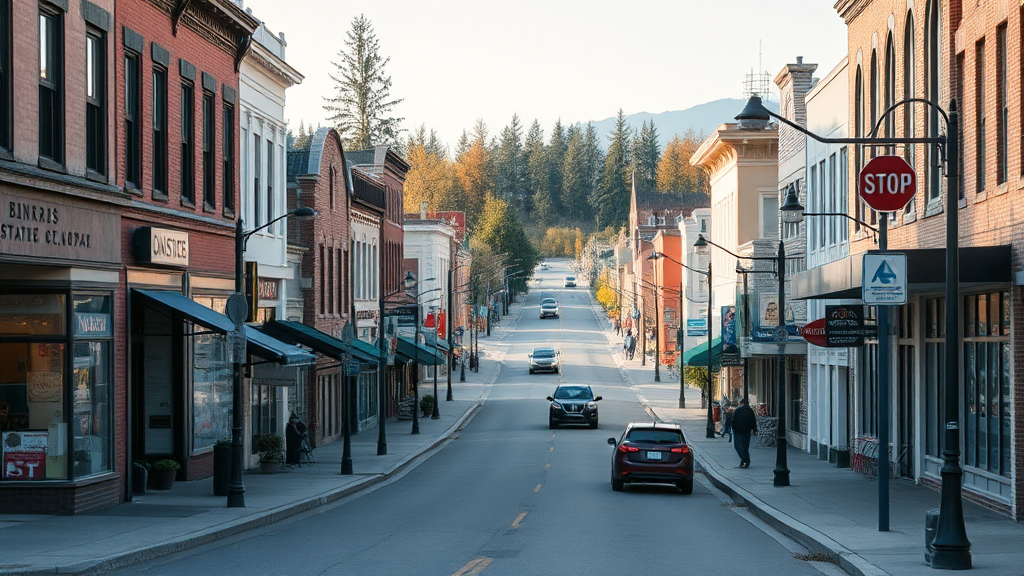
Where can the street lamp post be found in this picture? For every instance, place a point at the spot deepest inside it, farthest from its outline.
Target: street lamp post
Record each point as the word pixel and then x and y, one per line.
pixel 950 549
pixel 236 489
pixel 781 337
pixel 382 442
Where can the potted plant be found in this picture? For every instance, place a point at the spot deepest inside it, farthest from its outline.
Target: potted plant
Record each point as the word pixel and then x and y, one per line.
pixel 222 466
pixel 270 447
pixel 162 474
pixel 427 404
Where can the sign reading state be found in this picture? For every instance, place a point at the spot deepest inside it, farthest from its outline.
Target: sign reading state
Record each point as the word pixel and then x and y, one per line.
pixel 44 229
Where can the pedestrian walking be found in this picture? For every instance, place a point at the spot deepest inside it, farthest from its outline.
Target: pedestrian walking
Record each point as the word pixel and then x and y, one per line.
pixel 632 346
pixel 618 326
pixel 744 423
pixel 728 412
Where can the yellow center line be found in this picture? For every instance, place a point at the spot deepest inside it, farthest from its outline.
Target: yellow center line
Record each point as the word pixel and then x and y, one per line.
pixel 474 567
pixel 537 489
pixel 552 448
pixel 519 519
pixel 546 466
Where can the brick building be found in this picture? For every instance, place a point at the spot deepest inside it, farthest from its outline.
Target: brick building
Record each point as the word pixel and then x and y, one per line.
pixel 176 114
pixel 62 371
pixel 940 50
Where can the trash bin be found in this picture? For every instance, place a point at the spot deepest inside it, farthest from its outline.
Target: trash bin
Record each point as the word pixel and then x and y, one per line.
pixel 931 520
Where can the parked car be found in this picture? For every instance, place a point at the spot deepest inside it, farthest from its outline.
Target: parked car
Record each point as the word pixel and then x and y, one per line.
pixel 548 309
pixel 544 360
pixel 573 404
pixel 543 266
pixel 570 281
pixel 650 452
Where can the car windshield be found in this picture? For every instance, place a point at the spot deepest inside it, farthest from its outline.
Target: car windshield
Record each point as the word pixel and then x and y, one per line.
pixel 548 301
pixel 544 353
pixel 549 305
pixel 570 278
pixel 655 436
pixel 573 393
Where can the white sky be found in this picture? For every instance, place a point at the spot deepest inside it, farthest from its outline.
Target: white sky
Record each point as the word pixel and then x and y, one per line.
pixel 454 61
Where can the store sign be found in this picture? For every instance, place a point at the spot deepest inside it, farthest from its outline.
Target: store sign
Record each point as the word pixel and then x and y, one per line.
pixel 267 288
pixel 25 455
pixel 885 279
pixel 91 325
pixel 161 246
pixel 844 326
pixel 814 332
pixel 696 326
pixel 36 228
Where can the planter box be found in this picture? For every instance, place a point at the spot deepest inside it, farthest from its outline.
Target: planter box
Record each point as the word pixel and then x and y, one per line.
pixel 162 479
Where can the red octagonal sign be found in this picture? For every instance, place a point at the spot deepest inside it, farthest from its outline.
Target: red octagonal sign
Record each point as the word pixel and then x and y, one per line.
pixel 887 183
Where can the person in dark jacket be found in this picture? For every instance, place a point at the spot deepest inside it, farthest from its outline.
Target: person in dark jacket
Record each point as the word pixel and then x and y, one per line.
pixel 744 423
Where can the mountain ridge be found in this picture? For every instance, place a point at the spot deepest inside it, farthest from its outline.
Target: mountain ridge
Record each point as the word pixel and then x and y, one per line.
pixel 703 118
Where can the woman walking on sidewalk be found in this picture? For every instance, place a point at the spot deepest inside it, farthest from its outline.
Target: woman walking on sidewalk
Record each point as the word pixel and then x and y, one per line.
pixel 744 423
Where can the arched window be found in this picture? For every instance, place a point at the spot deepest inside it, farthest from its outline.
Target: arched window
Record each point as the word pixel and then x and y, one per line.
pixel 909 91
pixel 890 86
pixel 858 129
pixel 876 101
pixel 933 84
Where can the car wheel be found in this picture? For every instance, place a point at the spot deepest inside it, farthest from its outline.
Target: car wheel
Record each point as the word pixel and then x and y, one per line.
pixel 685 486
pixel 552 424
pixel 617 485
pixel 531 370
pixel 593 425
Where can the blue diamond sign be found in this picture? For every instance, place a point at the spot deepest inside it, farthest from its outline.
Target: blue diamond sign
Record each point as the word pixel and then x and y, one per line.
pixel 885 279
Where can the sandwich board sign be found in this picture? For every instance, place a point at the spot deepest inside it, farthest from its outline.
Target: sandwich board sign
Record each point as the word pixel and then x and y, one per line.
pixel 885 279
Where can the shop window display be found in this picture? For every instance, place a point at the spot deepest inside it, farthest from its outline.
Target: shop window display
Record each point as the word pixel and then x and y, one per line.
pixel 212 375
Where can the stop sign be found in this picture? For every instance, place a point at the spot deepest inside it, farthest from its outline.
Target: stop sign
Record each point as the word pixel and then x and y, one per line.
pixel 887 183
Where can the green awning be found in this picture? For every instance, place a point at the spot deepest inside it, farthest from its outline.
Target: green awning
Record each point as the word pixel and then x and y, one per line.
pixel 422 353
pixel 265 346
pixel 698 355
pixel 298 333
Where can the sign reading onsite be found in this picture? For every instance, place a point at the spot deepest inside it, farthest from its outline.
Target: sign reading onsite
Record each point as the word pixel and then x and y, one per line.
pixel 887 183
pixel 844 325
pixel 161 246
pixel 885 279
pixel 814 332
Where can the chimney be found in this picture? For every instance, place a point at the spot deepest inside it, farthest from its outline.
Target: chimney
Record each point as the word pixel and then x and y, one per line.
pixel 423 210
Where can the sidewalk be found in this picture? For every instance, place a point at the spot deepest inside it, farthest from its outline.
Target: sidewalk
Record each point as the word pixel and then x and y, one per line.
pixel 189 515
pixel 829 510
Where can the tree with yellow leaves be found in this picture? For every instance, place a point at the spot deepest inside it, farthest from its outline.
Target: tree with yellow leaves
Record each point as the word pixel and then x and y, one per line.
pixel 475 179
pixel 675 173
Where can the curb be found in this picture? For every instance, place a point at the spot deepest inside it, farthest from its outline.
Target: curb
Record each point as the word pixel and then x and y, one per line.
pixel 271 516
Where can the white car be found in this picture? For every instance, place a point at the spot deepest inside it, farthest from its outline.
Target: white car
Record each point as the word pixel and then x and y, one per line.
pixel 570 281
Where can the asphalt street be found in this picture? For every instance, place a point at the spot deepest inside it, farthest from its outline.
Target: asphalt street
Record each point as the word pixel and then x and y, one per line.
pixel 508 496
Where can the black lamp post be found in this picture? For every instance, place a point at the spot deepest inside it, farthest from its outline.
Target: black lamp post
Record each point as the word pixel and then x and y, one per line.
pixel 382 443
pixel 950 549
pixel 236 489
pixel 682 379
pixel 781 337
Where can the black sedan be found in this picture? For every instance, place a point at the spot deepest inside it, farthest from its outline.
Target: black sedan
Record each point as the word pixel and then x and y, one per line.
pixel 573 404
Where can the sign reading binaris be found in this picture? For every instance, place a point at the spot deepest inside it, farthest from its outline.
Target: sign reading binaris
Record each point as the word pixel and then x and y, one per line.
pixel 161 246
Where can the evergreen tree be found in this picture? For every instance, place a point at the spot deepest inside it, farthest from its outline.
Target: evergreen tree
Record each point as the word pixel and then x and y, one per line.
pixel 510 166
pixel 593 161
pixel 502 231
pixel 301 140
pixel 556 165
pixel 361 107
pixel 462 146
pixel 646 154
pixel 541 204
pixel 575 179
pixel 612 204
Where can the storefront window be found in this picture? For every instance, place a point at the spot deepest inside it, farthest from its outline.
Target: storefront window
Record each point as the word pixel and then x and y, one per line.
pixel 987 410
pixel 212 383
pixel 93 385
pixel 32 315
pixel 31 411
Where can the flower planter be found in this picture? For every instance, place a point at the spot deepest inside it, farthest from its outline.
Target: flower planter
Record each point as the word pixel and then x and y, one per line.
pixel 269 467
pixel 162 479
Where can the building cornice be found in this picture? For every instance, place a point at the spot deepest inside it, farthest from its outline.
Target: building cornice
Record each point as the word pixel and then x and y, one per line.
pixel 728 145
pixel 848 10
pixel 274 66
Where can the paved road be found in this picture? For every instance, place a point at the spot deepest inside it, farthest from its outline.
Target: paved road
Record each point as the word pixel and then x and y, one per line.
pixel 511 497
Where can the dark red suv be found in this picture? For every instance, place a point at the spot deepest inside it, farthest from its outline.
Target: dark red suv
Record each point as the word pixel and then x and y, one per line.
pixel 650 452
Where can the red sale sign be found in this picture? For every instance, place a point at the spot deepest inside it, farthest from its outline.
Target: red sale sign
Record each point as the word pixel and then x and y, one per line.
pixel 887 183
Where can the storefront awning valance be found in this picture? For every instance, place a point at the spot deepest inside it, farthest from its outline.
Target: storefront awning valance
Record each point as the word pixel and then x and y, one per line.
pixel 298 333
pixel 926 271
pixel 265 346
pixel 258 344
pixel 698 355
pixel 419 352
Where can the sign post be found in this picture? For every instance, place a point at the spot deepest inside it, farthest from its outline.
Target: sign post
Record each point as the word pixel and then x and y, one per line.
pixel 887 184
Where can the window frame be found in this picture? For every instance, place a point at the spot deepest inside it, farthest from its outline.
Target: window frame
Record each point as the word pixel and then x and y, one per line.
pixel 209 151
pixel 133 121
pixel 187 161
pixel 6 75
pixel 1002 106
pixel 270 186
pixel 55 84
pixel 980 129
pixel 228 161
pixel 160 139
pixel 96 103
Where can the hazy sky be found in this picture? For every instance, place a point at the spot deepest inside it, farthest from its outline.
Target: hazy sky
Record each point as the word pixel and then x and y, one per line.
pixel 454 61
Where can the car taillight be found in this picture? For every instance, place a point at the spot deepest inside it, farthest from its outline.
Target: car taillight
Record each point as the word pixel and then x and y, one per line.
pixel 625 448
pixel 682 450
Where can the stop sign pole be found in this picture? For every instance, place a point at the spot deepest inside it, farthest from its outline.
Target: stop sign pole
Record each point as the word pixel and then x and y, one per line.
pixel 887 184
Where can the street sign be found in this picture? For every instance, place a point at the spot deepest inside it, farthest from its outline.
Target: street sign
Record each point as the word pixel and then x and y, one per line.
pixel 885 279
pixel 696 326
pixel 887 183
pixel 814 332
pixel 844 326
pixel 237 309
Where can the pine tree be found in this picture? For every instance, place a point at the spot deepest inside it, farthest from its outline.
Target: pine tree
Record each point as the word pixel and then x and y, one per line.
pixel 556 165
pixel 593 160
pixel 541 205
pixel 675 172
pixel 646 154
pixel 502 231
pixel 612 204
pixel 510 166
pixel 361 107
pixel 575 179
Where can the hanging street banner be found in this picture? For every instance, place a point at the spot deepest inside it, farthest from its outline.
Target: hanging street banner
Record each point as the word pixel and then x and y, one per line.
pixel 885 279
pixel 730 348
